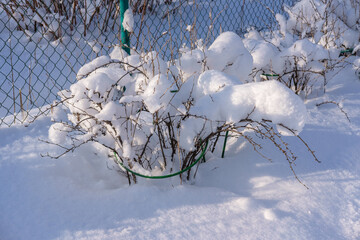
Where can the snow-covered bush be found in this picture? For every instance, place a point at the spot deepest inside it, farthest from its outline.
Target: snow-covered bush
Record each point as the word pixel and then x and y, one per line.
pixel 157 116
pixel 308 44
pixel 330 23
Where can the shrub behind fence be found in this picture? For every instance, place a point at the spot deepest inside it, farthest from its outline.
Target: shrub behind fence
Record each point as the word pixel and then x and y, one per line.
pixel 44 43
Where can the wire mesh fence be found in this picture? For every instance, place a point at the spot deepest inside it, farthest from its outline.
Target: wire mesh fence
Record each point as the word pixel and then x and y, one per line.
pixel 43 43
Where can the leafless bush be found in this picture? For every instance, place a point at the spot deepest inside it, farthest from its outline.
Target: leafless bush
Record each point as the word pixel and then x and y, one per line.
pixel 310 44
pixel 331 23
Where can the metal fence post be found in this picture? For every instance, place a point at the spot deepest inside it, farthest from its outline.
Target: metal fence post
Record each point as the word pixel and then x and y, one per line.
pixel 125 39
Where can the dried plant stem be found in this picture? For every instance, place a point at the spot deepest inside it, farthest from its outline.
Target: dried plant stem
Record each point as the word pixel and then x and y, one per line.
pixel 338 105
pixel 22 106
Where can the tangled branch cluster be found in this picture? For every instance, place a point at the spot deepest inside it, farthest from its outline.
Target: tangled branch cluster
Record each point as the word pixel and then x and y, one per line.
pixel 311 44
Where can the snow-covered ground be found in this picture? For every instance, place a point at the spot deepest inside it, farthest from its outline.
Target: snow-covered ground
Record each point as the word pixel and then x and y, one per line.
pixel 241 196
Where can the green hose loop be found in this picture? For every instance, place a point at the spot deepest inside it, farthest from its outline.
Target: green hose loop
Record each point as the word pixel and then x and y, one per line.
pixel 164 176
pixel 347 52
pixel 270 75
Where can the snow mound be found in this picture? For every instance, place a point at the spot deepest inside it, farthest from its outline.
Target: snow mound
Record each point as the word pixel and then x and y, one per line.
pixel 228 54
pixel 212 81
pixel 268 100
pixel 90 67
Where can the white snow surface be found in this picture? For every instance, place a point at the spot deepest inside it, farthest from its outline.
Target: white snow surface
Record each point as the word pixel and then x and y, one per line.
pixel 241 196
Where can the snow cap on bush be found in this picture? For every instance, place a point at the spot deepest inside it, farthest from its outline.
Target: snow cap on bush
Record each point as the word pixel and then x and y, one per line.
pixel 157 94
pixel 228 54
pixel 118 53
pixel 213 81
pixel 190 63
pixel 268 100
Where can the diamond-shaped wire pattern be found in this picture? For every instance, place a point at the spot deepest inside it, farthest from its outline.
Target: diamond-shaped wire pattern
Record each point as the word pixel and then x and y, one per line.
pixel 44 43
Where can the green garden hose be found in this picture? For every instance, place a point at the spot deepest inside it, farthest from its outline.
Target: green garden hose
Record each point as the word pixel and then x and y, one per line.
pixel 164 176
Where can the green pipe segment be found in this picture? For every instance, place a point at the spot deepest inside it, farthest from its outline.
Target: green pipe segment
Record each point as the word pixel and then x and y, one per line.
pixel 164 176
pixel 348 50
pixel 269 75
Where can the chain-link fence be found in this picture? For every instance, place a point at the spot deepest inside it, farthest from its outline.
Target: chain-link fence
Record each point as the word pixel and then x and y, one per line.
pixel 43 43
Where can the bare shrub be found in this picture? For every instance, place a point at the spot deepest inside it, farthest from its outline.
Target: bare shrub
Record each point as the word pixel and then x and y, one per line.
pixel 309 45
